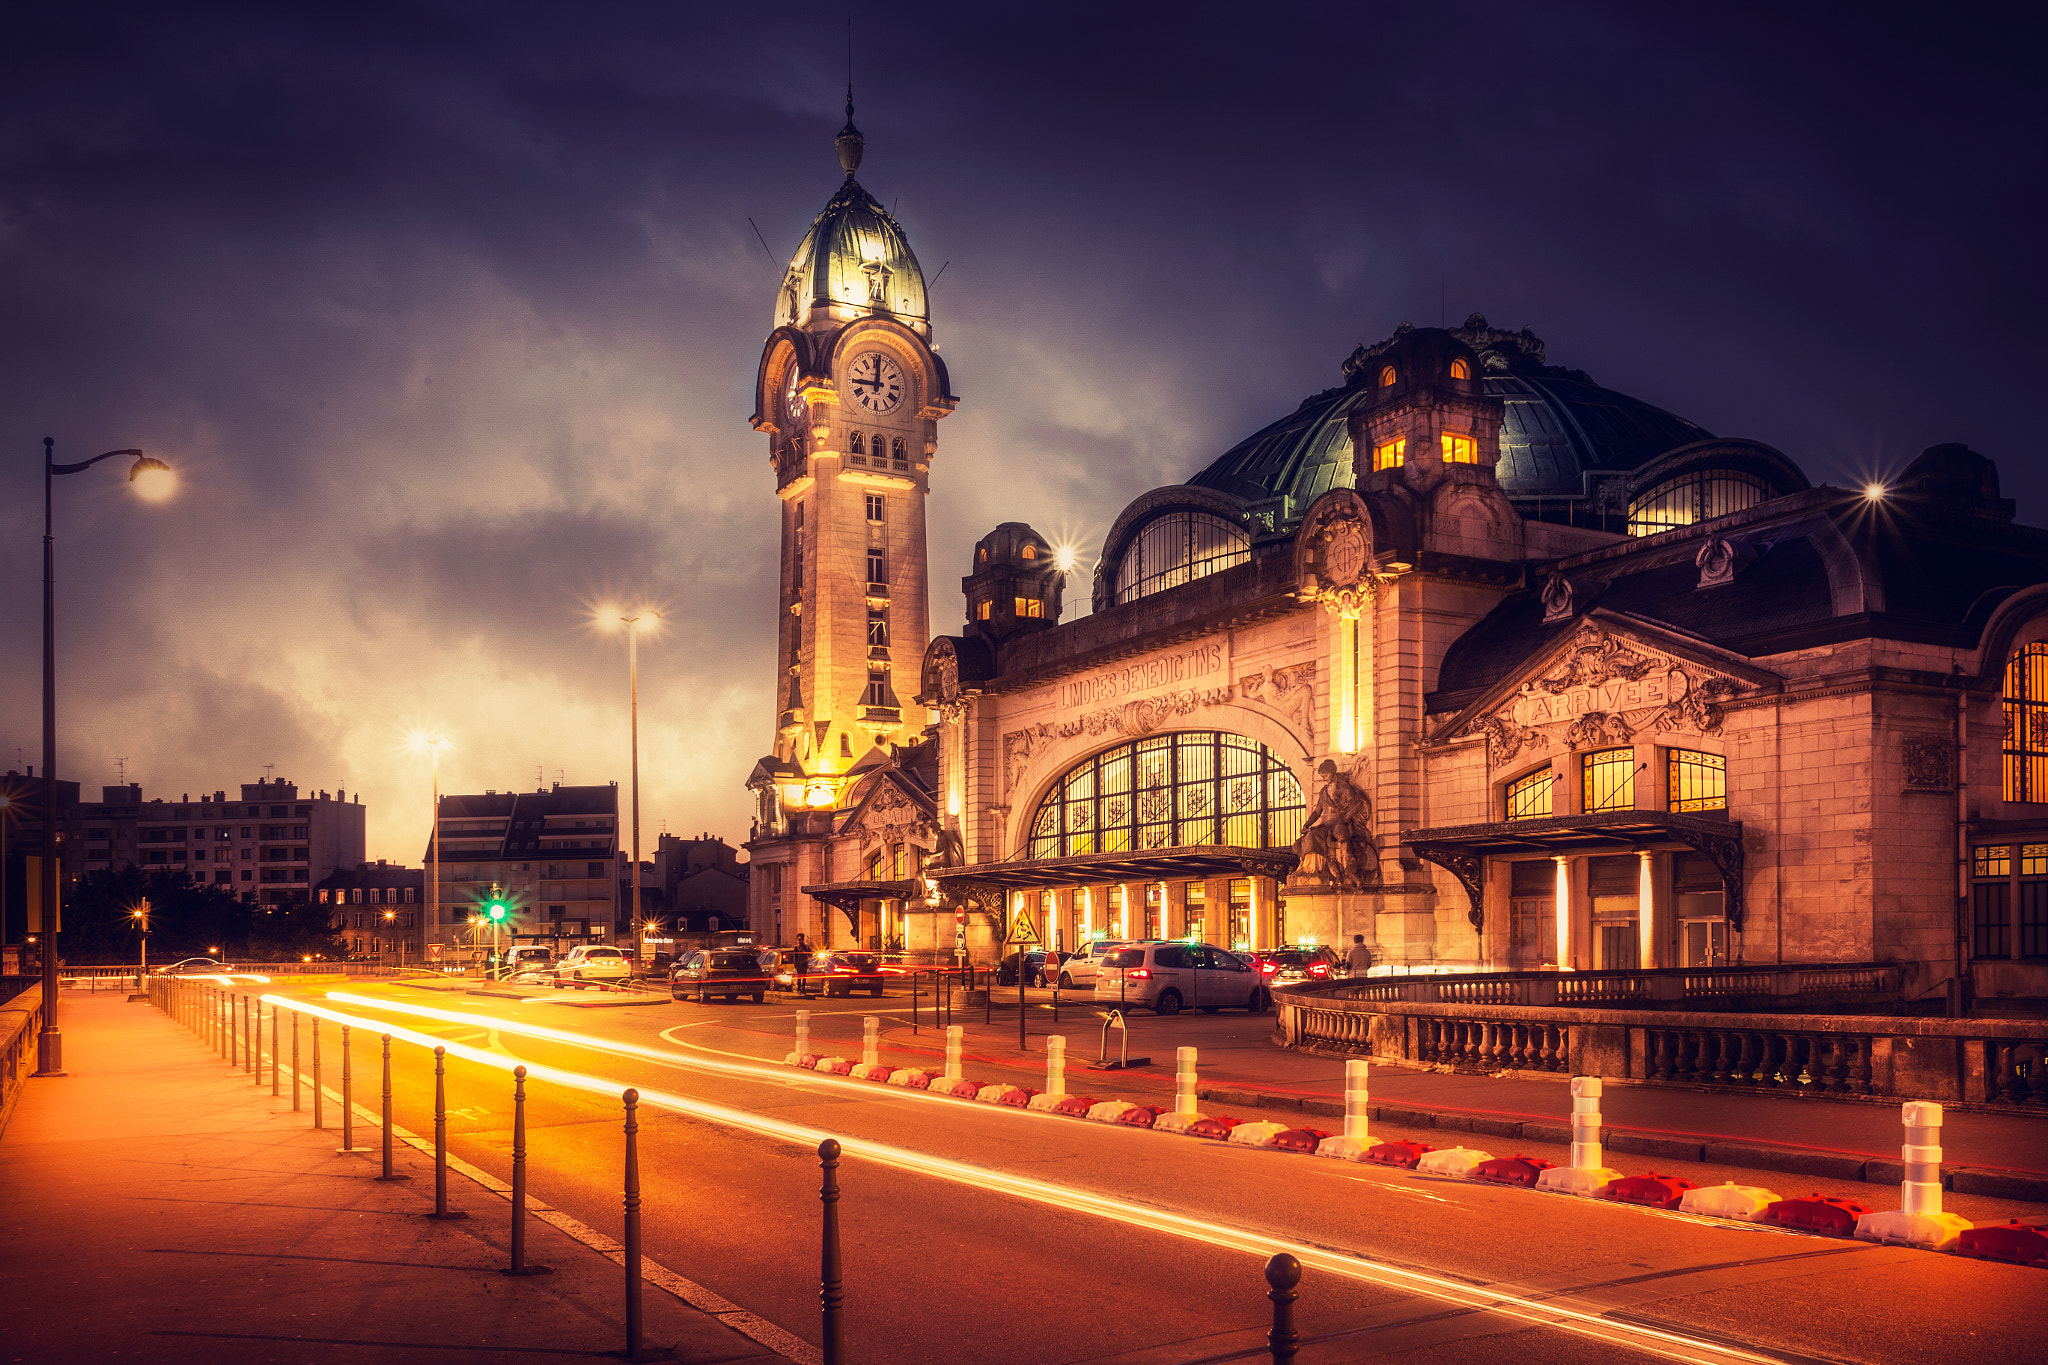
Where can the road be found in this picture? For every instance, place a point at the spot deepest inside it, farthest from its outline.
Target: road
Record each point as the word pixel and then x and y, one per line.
pixel 974 1234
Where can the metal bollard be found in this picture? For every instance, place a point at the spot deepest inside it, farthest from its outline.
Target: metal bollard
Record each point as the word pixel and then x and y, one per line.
pixel 1356 1093
pixel 831 1287
pixel 632 1102
pixel 954 1034
pixel 1184 1082
pixel 803 1034
pixel 1056 1066
pixel 1283 1273
pixel 441 1209
pixel 249 1004
pixel 870 1041
pixel 319 1099
pixel 387 1172
pixel 348 1100
pixel 913 1003
pixel 519 1265
pixel 295 1061
pixel 274 1049
pixel 257 1051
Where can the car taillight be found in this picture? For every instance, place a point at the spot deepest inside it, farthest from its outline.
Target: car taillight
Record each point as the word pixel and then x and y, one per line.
pixel 1269 967
pixel 1320 969
pixel 1139 974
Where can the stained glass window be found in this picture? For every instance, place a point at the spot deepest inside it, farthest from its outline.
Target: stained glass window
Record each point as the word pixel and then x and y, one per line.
pixel 1697 781
pixel 1529 797
pixel 1610 780
pixel 1170 791
pixel 2026 724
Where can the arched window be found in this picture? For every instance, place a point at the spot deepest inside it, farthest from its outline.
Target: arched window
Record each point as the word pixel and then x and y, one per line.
pixel 856 446
pixel 1460 370
pixel 2026 724
pixel 1030 551
pixel 1698 496
pixel 1178 548
pixel 1170 791
pixel 896 448
pixel 1387 377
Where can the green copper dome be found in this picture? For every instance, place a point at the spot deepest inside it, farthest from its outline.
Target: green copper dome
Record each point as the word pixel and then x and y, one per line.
pixel 856 258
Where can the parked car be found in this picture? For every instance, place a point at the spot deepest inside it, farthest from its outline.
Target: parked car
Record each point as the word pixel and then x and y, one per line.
pixel 1168 977
pixel 192 966
pixel 1080 969
pixel 727 972
pixel 1290 966
pixel 779 966
pixel 524 959
pixel 844 973
pixel 586 963
pixel 1035 969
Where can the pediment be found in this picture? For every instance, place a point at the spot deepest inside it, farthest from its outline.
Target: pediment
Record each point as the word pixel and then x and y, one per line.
pixel 892 811
pixel 1612 678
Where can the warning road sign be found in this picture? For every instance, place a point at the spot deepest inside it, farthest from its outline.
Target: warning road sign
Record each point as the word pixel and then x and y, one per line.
pixel 1021 929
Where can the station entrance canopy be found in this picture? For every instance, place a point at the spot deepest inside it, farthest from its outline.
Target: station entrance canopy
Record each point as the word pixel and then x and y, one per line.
pixel 988 883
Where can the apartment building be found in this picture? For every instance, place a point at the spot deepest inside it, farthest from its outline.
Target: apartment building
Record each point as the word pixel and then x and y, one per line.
pixel 553 854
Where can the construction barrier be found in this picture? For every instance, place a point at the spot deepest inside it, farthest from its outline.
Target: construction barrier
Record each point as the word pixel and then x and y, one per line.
pixel 1921 1222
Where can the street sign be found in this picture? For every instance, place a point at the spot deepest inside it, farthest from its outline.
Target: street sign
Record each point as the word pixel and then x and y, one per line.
pixel 1022 931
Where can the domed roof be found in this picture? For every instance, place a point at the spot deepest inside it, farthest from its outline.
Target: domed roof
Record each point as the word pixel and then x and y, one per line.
pixel 1557 426
pixel 854 255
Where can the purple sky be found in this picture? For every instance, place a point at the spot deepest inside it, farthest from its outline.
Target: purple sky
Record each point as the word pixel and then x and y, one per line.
pixel 448 314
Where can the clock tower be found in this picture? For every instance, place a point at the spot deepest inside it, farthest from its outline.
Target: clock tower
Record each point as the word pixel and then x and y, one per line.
pixel 850 394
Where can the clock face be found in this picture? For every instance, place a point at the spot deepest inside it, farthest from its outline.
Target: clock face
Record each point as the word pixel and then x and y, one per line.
pixel 877 383
pixel 793 406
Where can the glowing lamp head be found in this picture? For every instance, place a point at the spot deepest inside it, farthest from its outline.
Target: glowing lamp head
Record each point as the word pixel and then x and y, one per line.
pixel 818 794
pixel 1064 558
pixel 1874 492
pixel 152 478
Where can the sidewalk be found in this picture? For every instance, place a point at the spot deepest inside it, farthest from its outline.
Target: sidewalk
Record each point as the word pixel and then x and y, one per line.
pixel 1993 1154
pixel 158 1206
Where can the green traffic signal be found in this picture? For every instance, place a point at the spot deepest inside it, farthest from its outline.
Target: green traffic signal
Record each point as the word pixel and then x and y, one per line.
pixel 496 911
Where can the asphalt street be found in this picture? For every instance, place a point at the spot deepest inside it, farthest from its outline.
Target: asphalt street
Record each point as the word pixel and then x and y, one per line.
pixel 975 1234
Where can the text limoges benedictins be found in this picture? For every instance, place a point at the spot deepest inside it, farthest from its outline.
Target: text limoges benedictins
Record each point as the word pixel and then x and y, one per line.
pixel 1165 670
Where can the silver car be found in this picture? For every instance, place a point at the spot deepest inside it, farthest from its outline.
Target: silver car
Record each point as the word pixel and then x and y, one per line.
pixel 1080 969
pixel 1169 977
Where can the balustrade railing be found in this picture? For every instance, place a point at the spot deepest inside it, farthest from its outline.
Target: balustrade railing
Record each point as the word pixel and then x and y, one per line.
pixel 1667 986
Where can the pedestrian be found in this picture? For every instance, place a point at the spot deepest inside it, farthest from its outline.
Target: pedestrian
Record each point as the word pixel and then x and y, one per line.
pixel 1359 956
pixel 803 963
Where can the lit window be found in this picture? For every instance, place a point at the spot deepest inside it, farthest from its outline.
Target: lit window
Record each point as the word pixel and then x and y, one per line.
pixel 876 506
pixel 2026 724
pixel 1170 791
pixel 1391 454
pixel 855 446
pixel 1699 496
pixel 981 610
pixel 1529 797
pixel 1030 552
pixel 1610 778
pixel 1030 608
pixel 1698 781
pixel 1460 449
pixel 1387 377
pixel 1178 548
pixel 1460 370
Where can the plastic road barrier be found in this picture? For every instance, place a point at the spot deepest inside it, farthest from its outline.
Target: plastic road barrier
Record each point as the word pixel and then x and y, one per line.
pixel 1652 1190
pixel 1921 1222
pixel 870 1040
pixel 1301 1140
pixel 1512 1170
pixel 915 1078
pixel 954 1035
pixel 1815 1213
pixel 1587 1173
pixel 803 1039
pixel 1075 1106
pixel 1218 1127
pixel 1402 1154
pixel 1458 1161
pixel 1140 1116
pixel 1742 1202
pixel 1055 1074
pixel 1356 1141
pixel 1256 1134
pixel 2021 1243
pixel 1109 1111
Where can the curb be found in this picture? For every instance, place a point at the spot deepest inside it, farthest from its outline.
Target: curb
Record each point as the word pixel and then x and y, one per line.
pixel 1748 1155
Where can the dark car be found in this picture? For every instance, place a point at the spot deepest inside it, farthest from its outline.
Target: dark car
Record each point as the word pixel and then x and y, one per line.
pixel 1036 972
pixel 730 972
pixel 1291 966
pixel 844 973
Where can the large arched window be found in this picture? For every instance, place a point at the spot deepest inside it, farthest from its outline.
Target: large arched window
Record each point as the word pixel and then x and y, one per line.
pixel 1699 496
pixel 1169 791
pixel 2026 724
pixel 1178 548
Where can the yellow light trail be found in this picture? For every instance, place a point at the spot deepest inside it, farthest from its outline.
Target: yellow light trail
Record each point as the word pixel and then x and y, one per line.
pixel 1671 1345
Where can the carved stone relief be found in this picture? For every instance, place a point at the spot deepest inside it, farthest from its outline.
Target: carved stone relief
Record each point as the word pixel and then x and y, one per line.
pixel 1557 599
pixel 1930 762
pixel 1337 846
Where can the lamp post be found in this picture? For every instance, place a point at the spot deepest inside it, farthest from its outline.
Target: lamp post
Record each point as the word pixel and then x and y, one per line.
pixel 152 479
pixel 140 914
pixel 433 748
pixel 632 622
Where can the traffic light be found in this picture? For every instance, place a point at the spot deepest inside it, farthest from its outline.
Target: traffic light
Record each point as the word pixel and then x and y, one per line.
pixel 495 910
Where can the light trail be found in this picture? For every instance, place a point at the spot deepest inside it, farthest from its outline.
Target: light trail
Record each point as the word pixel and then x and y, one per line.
pixel 1655 1341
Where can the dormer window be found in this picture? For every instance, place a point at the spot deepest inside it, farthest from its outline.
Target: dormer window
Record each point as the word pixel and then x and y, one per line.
pixel 1387 377
pixel 1030 608
pixel 1460 370
pixel 981 611
pixel 1390 454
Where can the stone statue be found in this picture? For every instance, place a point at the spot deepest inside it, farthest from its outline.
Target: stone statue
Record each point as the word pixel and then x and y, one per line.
pixel 1336 840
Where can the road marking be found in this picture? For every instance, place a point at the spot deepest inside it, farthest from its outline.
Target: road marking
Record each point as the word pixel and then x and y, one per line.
pixel 1667 1343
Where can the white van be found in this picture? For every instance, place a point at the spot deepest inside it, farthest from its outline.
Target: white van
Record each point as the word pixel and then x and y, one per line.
pixel 1169 977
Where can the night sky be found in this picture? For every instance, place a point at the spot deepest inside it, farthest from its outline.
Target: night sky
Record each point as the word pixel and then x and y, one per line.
pixel 447 315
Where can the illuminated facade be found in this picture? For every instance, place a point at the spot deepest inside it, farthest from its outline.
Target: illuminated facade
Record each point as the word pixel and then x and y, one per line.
pixel 1467 655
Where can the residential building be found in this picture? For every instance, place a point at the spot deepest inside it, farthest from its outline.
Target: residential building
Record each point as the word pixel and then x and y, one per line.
pixel 270 845
pixel 377 908
pixel 554 853
pixel 702 883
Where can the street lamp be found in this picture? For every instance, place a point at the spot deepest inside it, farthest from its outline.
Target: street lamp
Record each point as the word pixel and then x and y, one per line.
pixel 633 625
pixel 433 747
pixel 140 914
pixel 153 480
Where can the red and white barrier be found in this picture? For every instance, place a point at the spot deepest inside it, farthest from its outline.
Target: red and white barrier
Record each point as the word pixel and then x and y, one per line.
pixel 1356 1139
pixel 1254 1134
pixel 1457 1161
pixel 1055 1075
pixel 1185 1112
pixel 1587 1174
pixel 1921 1222
pixel 954 1036
pixel 871 1068
pixel 1741 1202
pixel 803 1039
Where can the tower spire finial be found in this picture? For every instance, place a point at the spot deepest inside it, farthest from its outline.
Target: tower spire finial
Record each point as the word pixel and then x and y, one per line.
pixel 850 142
